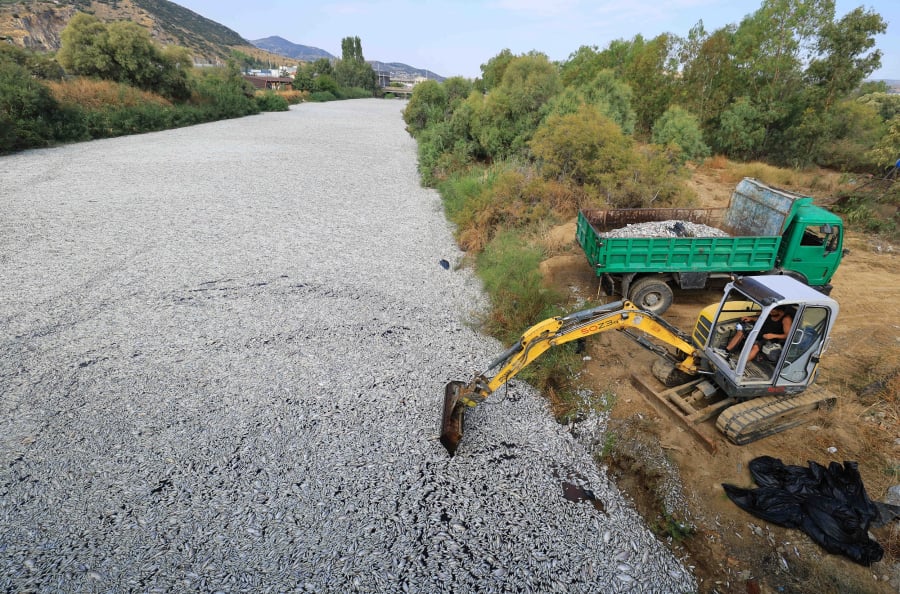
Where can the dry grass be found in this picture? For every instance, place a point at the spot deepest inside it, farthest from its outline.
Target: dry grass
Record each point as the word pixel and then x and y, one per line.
pixel 98 94
pixel 820 182
pixel 293 97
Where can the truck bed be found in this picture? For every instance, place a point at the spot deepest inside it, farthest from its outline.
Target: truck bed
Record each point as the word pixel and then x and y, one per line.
pixel 661 254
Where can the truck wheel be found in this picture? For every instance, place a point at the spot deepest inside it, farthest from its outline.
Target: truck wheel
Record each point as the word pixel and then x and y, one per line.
pixel 651 294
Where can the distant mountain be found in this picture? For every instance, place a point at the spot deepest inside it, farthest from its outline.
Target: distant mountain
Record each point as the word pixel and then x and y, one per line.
pixel 283 47
pixel 305 53
pixel 398 70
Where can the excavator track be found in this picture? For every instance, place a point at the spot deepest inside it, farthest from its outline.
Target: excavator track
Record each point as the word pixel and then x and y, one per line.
pixel 767 415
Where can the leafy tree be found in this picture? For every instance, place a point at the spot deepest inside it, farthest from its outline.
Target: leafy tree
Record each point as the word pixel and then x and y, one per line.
pixel 613 96
pixel 606 92
pixel 681 128
pixel 458 89
pixel 886 104
pixel 584 148
pixel 845 56
pixel 321 66
pixel 84 47
pixel 493 70
pixel 427 106
pixel 710 76
pixel 741 131
pixel 123 52
pixel 651 75
pixel 352 71
pixel 842 137
pixel 886 152
pixel 582 67
pixel 175 73
pixel 513 109
pixel 871 86
pixel 303 79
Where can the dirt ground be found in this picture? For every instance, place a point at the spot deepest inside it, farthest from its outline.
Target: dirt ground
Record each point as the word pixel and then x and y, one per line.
pixel 729 549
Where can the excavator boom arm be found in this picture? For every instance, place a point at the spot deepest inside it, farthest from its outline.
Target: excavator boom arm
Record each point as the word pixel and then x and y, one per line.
pixel 549 333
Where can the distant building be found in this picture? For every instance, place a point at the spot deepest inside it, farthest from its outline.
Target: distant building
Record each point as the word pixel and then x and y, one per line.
pixel 274 83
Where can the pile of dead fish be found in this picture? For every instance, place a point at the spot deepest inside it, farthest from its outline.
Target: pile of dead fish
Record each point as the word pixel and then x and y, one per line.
pixel 218 381
pixel 666 229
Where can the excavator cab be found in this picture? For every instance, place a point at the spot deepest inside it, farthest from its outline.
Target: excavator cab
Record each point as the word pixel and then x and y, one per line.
pixel 785 366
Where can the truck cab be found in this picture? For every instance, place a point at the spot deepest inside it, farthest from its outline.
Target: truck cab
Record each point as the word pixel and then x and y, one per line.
pixel 812 245
pixel 811 237
pixel 781 367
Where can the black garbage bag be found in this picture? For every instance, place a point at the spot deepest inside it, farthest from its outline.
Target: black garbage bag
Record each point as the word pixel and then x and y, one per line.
pixel 829 504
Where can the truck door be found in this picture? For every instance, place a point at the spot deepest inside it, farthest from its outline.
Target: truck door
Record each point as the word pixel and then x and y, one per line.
pixel 815 251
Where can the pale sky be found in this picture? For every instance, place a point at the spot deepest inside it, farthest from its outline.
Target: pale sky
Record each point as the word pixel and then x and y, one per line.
pixel 453 38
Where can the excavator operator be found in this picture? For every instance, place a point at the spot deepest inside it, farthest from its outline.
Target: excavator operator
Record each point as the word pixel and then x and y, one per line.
pixel 775 329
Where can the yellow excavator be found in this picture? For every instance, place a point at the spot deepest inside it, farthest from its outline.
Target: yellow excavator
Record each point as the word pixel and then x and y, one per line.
pixel 758 388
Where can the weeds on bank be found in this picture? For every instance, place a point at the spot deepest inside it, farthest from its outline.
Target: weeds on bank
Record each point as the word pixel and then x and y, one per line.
pixel 667 526
pixel 486 200
pixel 91 94
pixel 508 266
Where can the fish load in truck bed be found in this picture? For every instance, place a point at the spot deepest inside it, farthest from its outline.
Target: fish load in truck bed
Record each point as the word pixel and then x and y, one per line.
pixel 665 229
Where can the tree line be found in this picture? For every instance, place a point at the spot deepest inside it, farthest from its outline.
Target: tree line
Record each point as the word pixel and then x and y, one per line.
pixel 786 85
pixel 349 77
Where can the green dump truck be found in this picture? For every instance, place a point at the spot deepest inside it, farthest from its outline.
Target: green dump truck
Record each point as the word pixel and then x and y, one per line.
pixel 767 230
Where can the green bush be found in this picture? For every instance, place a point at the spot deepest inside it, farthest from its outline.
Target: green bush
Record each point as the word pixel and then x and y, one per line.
pixel 109 122
pixel 270 101
pixel 509 269
pixel 355 93
pixel 585 148
pixel 427 106
pixel 27 110
pixel 681 128
pixel 741 131
pixel 322 96
pixel 223 93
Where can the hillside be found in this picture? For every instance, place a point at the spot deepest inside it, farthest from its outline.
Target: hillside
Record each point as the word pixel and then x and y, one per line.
pixel 283 47
pixel 36 24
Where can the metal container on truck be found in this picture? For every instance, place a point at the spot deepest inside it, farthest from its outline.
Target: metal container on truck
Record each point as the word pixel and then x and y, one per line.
pixel 769 230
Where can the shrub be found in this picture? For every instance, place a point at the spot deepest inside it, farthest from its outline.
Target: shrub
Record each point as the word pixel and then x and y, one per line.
pixel 585 148
pixel 321 96
pixel 681 128
pixel 427 106
pixel 354 93
pixel 27 110
pixel 223 93
pixel 271 101
pixel 510 271
pixel 89 93
pixel 293 97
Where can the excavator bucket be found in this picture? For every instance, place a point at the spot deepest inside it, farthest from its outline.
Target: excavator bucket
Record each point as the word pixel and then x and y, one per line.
pixel 452 417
